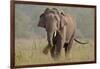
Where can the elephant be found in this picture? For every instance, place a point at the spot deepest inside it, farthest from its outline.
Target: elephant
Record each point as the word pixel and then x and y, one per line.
pixel 60 28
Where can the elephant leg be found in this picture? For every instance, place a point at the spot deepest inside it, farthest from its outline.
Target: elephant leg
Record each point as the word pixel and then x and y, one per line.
pixel 52 51
pixel 56 49
pixel 55 52
pixel 68 46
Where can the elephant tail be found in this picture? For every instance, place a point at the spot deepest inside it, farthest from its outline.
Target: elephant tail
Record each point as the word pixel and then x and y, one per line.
pixel 80 42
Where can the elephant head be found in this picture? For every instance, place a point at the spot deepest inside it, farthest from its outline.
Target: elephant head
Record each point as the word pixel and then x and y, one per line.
pixel 50 20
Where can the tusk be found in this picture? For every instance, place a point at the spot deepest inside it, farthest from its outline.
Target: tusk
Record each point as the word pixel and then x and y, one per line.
pixel 55 33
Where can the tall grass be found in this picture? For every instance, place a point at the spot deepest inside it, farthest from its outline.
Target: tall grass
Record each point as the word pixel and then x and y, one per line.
pixel 29 51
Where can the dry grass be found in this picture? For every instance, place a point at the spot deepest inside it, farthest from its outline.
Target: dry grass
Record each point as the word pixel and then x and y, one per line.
pixel 28 52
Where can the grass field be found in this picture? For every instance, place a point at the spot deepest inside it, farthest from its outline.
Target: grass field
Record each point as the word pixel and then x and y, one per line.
pixel 29 52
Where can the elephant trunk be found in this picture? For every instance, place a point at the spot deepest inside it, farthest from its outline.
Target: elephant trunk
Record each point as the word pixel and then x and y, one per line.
pixel 50 36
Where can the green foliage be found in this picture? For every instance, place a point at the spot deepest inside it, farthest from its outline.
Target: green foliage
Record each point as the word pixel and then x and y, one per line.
pixel 22 25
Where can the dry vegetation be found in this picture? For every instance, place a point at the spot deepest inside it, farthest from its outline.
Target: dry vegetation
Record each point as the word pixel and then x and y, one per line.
pixel 29 51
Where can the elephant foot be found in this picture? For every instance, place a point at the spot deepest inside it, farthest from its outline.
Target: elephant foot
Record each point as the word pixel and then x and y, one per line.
pixel 68 57
pixel 46 50
pixel 54 54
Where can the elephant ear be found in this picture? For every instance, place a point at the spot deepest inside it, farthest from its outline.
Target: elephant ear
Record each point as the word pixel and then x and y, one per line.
pixel 63 21
pixel 47 10
pixel 42 21
pixel 43 18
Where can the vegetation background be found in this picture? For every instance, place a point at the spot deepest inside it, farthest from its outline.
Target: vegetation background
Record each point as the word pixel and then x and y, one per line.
pixel 30 39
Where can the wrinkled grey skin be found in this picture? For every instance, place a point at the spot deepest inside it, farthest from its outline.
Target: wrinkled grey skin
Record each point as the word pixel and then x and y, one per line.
pixel 60 30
